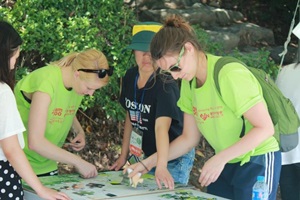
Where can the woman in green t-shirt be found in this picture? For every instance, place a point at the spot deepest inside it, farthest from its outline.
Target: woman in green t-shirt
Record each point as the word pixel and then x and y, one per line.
pixel 48 99
pixel 232 171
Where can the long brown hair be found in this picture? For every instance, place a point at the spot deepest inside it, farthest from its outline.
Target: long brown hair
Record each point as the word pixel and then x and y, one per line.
pixel 10 41
pixel 172 36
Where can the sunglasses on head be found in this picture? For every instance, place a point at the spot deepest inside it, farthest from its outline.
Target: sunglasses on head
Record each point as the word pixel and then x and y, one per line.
pixel 176 68
pixel 101 72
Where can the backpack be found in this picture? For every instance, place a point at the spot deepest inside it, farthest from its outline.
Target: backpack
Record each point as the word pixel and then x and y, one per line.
pixel 283 114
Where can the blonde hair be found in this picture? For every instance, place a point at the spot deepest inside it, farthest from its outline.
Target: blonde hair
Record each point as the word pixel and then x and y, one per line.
pixel 87 59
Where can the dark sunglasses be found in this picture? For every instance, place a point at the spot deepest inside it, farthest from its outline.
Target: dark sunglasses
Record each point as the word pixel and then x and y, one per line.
pixel 176 68
pixel 101 72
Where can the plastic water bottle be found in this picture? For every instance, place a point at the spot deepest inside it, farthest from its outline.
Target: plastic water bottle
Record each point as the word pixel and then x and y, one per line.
pixel 260 190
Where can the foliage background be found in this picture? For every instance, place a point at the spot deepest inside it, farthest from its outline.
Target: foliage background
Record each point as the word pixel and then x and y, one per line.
pixel 53 28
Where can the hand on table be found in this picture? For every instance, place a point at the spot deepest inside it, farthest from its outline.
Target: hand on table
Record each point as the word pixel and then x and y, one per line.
pixel 162 175
pixel 136 168
pixel 49 194
pixel 86 169
pixel 120 162
pixel 211 171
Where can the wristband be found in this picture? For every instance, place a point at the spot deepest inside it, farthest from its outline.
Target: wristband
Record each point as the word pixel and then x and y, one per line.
pixel 144 165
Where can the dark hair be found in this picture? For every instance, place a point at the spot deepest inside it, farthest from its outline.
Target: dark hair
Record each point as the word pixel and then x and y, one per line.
pixel 172 36
pixel 10 40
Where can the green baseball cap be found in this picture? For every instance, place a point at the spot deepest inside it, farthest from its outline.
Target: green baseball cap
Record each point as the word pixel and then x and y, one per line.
pixel 142 35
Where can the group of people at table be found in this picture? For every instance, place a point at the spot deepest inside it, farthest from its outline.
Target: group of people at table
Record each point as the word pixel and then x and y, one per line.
pixel 163 124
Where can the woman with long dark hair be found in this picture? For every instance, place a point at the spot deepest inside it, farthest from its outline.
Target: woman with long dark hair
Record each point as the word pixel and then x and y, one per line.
pixel 13 162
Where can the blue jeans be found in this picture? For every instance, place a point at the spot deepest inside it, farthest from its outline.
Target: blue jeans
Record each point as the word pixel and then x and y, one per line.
pixel 181 167
pixel 290 182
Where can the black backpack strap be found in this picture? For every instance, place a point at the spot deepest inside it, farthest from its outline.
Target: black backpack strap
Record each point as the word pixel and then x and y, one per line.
pixel 243 128
pixel 218 66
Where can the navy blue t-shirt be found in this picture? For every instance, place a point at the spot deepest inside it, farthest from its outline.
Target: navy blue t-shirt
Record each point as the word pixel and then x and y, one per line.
pixel 159 99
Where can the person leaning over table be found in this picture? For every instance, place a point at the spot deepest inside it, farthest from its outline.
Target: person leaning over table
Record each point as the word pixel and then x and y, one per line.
pixel 48 99
pixel 232 171
pixel 13 162
pixel 158 119
pixel 288 82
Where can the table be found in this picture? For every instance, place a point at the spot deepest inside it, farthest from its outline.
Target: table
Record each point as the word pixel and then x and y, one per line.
pixel 110 185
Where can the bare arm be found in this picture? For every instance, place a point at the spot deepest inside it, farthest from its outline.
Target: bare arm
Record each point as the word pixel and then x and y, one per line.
pixel 18 160
pixel 37 141
pixel 182 144
pixel 125 145
pixel 262 129
pixel 162 126
pixel 185 142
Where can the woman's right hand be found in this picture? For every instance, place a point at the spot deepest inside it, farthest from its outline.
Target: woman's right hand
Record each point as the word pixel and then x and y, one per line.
pixel 86 169
pixel 137 168
pixel 49 194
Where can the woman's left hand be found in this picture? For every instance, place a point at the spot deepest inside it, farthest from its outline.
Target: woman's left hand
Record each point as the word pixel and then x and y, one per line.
pixel 162 175
pixel 211 170
pixel 78 142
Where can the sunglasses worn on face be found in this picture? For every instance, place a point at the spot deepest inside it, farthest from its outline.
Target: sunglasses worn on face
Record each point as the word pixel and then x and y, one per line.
pixel 101 72
pixel 176 68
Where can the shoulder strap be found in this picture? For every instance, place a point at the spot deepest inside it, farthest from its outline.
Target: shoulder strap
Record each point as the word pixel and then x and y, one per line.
pixel 218 66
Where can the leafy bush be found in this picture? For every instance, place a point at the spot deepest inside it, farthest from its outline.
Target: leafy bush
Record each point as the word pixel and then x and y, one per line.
pixel 260 59
pixel 53 28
